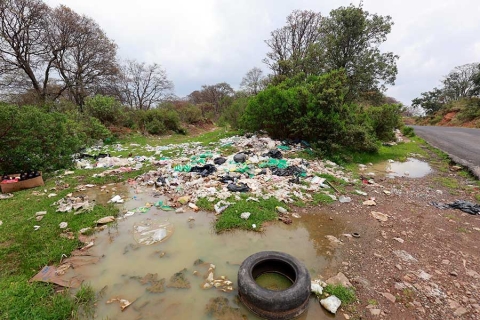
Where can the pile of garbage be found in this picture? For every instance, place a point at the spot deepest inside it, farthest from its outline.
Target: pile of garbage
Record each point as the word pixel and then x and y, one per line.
pixel 262 166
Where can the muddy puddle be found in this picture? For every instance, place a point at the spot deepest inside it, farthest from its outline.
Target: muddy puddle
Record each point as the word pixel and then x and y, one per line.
pixel 164 280
pixel 412 168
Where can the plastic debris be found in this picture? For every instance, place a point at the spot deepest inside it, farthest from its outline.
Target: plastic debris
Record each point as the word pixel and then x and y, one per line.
pixel 36 228
pixel 245 215
pixel 116 199
pixel 150 232
pixel 193 206
pixel 369 202
pixel 162 206
pixel 219 161
pixel 275 153
pixel 205 170
pixel 254 226
pixel 4 196
pixel 124 303
pixel 344 199
pixel 281 210
pixel 316 287
pixel 238 187
pixel 63 225
pixel 361 192
pixel 240 157
pixel 465 206
pixel 221 206
pixel 331 303
pixel 1 222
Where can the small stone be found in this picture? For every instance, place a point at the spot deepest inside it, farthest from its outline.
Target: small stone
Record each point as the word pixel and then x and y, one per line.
pixel 423 275
pixel 452 304
pixel 460 312
pixel 331 303
pixel 453 273
pixel 379 216
pixel 346 316
pixel 399 267
pixel 362 193
pixel 387 192
pixel 389 297
pixel 446 262
pixel 369 203
pixel 105 220
pixel 340 278
pixel 399 240
pixel 375 312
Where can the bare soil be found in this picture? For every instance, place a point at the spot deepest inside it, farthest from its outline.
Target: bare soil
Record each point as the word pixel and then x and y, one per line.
pixel 441 281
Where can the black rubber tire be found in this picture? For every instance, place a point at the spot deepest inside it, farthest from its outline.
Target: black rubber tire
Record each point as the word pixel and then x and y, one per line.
pixel 268 304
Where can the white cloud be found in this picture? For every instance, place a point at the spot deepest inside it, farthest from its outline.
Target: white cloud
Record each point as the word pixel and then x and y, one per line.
pixel 210 41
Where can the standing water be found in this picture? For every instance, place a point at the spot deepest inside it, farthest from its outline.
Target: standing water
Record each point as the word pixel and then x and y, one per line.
pixel 165 280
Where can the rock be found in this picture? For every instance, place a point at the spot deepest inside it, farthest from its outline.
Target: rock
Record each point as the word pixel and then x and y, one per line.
pixel 369 203
pixel 105 220
pixel 340 278
pixel 473 274
pixel 180 210
pixel 460 312
pixel 375 312
pixel 399 240
pixel 423 275
pixel 379 216
pixel 333 240
pixel 405 256
pixel 389 297
pixel 331 303
pixel 453 273
pixel 346 316
pixel 387 192
pixel 452 304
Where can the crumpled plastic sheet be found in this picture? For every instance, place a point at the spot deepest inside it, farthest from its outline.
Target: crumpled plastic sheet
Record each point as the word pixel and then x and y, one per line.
pixel 465 206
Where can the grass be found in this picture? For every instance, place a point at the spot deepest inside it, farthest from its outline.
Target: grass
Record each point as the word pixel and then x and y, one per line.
pixel 346 295
pixel 450 183
pixel 261 211
pixel 321 198
pixel 372 302
pixel 399 152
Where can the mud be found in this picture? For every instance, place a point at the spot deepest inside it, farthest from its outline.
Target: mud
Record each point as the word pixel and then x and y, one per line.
pixel 137 273
pixel 412 168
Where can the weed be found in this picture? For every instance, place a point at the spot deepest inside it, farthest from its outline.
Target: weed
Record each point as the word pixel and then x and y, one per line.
pixel 372 302
pixel 261 211
pixel 204 204
pixel 451 217
pixel 462 230
pixel 407 295
pixel 447 182
pixel 321 198
pixel 346 295
pixel 477 197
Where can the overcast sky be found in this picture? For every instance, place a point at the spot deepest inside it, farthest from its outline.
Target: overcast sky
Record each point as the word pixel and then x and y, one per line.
pixel 209 41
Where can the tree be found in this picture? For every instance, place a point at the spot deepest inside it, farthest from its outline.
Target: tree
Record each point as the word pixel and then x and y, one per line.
pixel 24 45
pixel 143 85
pixel 349 39
pixel 88 57
pixel 460 82
pixel 218 95
pixel 430 101
pixel 290 45
pixel 253 81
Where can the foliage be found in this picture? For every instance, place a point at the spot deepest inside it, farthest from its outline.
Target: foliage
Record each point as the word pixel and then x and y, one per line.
pixel 212 98
pixel 408 131
pixel 350 38
pixel 104 108
pixel 233 113
pixel 314 109
pixel 34 139
pixel 158 121
pixel 190 114
pixel 346 295
pixel 88 129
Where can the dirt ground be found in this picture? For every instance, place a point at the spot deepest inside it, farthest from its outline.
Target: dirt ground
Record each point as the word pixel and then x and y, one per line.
pixel 423 262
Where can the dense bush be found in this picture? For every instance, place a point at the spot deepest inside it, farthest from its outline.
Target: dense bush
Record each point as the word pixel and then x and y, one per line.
pixel 158 121
pixel 34 139
pixel 314 109
pixel 106 109
pixel 190 114
pixel 88 129
pixel 233 113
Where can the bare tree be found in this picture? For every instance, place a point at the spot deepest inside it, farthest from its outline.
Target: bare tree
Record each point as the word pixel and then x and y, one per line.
pixel 217 95
pixel 87 58
pixel 290 44
pixel 253 82
pixel 460 82
pixel 143 85
pixel 23 44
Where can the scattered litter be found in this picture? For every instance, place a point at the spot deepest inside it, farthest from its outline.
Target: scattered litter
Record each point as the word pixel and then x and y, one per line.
pixel 49 274
pixel 281 210
pixel 238 187
pixel 379 216
pixel 193 206
pixel 159 204
pixel 254 226
pixel 78 204
pixel 1 222
pixel 180 210
pixel 40 213
pixel 252 199
pixel 295 215
pixel 361 192
pixel 116 199
pixel 221 206
pixel 6 196
pixel 387 192
pixel 124 303
pixel 184 199
pixel 331 303
pixel 240 157
pixel 150 232
pixel 465 206
pixel 63 225
pixel 219 161
pixel 285 219
pixel 344 199
pixel 36 228
pixel 106 220
pixel 129 214
pixel 316 287
pixel 84 230
pixel 245 215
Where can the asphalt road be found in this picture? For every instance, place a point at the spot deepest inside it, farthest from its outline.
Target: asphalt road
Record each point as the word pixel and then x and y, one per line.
pixel 461 144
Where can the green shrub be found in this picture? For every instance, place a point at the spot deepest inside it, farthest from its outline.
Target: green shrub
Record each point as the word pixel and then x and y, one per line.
pixel 88 129
pixel 190 114
pixel 159 121
pixel 106 109
pixel 233 113
pixel 34 139
pixel 314 109
pixel 408 131
pixel 471 110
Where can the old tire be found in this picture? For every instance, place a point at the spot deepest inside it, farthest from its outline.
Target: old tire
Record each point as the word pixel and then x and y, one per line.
pixel 268 304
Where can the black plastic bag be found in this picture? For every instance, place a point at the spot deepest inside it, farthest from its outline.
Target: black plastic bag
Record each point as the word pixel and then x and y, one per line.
pixel 219 160
pixel 240 157
pixel 238 187
pixel 274 153
pixel 204 171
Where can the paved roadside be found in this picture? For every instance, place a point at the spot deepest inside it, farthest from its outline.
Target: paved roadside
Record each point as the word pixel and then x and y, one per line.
pixel 461 144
